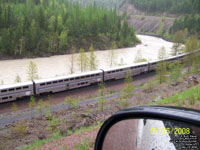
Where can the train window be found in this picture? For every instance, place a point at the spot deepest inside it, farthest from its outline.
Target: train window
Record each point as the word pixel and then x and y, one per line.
pixel 4 98
pixel 71 79
pixel 87 76
pixel 82 77
pixel 42 84
pixel 77 78
pixel 48 83
pixel 10 97
pixel 121 69
pixel 60 80
pixel 19 88
pixel 66 80
pixel 25 87
pixel 55 81
pixel 3 91
pixel 11 89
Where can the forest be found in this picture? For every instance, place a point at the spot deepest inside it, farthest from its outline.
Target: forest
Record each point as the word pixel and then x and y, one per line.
pixel 109 4
pixel 190 22
pixel 170 6
pixel 188 9
pixel 47 27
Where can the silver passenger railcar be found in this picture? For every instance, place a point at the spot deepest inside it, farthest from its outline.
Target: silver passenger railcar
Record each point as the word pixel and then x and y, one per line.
pixel 13 91
pixel 120 72
pixel 58 84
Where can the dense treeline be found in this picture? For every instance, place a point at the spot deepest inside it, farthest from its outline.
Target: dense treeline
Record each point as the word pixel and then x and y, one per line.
pixel 171 6
pixel 109 4
pixel 38 27
pixel 190 23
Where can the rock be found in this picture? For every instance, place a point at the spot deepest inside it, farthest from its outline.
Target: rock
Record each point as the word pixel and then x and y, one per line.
pixel 91 105
pixel 157 98
pixel 63 131
pixel 41 136
pixel 193 80
pixel 84 115
pixel 80 124
pixel 175 83
pixel 28 130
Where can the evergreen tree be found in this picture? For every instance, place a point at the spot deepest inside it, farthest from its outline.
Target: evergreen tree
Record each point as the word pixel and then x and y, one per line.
pixel 112 54
pixel 162 53
pixel 179 38
pixel 191 44
pixel 72 61
pixel 93 64
pixel 32 71
pixel 17 79
pixel 161 71
pixel 83 60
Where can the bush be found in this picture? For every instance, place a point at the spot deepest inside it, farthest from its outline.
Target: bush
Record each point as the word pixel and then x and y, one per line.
pixel 19 128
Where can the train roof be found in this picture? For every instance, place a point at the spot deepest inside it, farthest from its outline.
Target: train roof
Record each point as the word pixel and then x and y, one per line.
pixel 125 66
pixel 67 76
pixel 15 85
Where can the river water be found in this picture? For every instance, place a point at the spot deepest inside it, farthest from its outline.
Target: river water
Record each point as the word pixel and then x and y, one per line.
pixel 60 64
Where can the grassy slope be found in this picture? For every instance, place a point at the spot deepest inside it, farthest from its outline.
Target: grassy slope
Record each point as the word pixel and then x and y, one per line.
pixel 189 98
pixel 37 144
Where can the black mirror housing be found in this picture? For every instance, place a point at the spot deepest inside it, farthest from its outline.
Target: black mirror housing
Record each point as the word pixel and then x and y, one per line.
pixel 188 116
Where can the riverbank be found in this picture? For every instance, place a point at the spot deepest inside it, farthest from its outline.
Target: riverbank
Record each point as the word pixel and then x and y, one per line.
pixel 60 65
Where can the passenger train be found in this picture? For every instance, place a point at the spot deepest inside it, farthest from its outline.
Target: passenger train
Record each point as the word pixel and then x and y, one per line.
pixel 51 85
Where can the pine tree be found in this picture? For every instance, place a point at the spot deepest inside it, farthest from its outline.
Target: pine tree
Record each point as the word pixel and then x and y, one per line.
pixel 161 71
pixel 32 71
pixel 162 53
pixel 138 57
pixel 17 79
pixel 83 60
pixel 191 44
pixel 93 64
pixel 72 60
pixel 127 91
pixel 175 70
pixel 112 54
pixel 179 38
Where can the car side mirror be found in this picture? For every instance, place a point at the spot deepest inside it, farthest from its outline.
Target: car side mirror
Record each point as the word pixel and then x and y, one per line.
pixel 151 128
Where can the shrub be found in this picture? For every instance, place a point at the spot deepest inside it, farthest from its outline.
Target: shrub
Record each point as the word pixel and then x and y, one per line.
pixel 19 128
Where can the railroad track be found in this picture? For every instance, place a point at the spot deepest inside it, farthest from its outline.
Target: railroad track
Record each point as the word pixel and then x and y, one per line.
pixel 7 118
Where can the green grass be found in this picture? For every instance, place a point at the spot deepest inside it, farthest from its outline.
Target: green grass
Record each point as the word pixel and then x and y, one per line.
pixel 192 95
pixel 84 145
pixel 37 144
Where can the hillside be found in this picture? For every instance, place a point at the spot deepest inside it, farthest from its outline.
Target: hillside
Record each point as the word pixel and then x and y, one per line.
pixel 171 16
pixel 146 22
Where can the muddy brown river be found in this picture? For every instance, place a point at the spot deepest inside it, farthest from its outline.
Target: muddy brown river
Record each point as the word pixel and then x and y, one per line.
pixel 60 64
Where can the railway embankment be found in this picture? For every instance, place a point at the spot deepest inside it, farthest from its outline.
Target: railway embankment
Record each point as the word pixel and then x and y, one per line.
pixel 64 121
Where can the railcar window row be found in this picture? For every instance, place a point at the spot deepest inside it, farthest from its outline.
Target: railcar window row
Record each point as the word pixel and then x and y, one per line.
pixel 5 98
pixel 13 89
pixel 71 79
pixel 138 66
pixel 82 83
pixel 115 71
